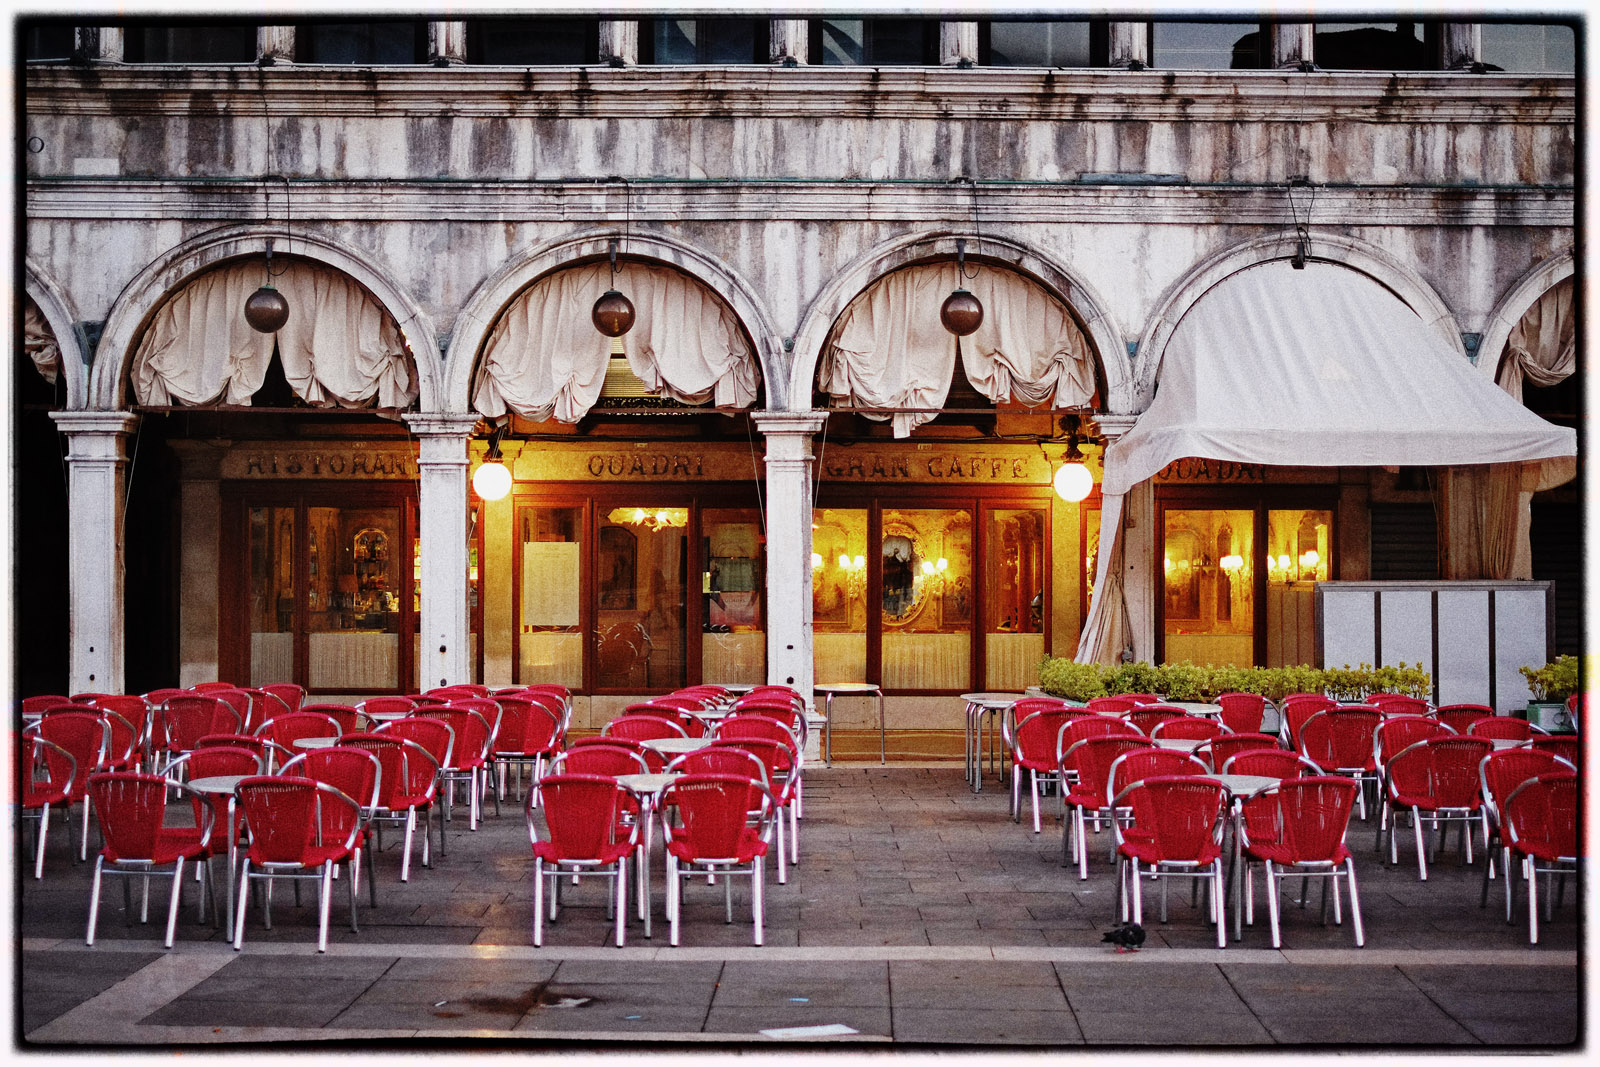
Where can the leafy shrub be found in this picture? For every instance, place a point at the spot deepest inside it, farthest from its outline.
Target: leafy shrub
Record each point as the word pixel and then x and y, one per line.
pixel 1553 682
pixel 1190 681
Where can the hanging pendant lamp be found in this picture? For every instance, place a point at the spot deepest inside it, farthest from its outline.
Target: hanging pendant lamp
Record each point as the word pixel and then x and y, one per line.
pixel 265 309
pixel 961 313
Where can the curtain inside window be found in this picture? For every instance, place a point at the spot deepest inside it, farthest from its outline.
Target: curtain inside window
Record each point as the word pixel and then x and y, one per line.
pixel 890 350
pixel 1542 348
pixel 338 347
pixel 1107 631
pixel 545 359
pixel 39 342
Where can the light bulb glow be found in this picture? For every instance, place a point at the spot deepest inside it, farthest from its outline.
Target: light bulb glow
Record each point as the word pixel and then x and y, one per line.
pixel 1284 563
pixel 491 481
pixel 943 563
pixel 844 563
pixel 816 560
pixel 861 561
pixel 1073 482
pixel 1231 563
pixel 927 566
pixel 1166 563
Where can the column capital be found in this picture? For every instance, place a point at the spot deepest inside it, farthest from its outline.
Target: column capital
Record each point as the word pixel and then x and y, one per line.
pixel 442 424
pixel 1112 427
pixel 95 422
pixel 789 422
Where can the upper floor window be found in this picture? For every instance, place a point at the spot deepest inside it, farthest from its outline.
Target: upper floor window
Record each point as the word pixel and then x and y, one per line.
pixel 363 44
pixel 875 42
pixel 1041 43
pixel 1208 45
pixel 47 41
pixel 1530 49
pixel 191 43
pixel 533 42
pixel 1371 46
pixel 703 41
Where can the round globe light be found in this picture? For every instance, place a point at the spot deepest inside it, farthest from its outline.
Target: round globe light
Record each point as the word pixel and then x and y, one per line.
pixel 266 310
pixel 1074 482
pixel 491 481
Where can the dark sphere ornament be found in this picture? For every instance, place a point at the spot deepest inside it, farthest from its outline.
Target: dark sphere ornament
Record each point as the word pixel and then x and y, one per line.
pixel 613 314
pixel 266 310
pixel 961 313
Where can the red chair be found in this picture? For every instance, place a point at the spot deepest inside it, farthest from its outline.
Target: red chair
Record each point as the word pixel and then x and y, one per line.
pixel 602 756
pixel 269 754
pixel 643 728
pixel 1188 728
pixel 299 829
pixel 123 748
pixel 1399 704
pixel 33 707
pixel 1221 748
pixel 1298 827
pixel 346 716
pixel 1439 778
pixel 131 809
pixel 156 700
pixel 1140 763
pixel 1577 709
pixel 1498 774
pixel 1033 749
pixel 1399 732
pixel 1541 826
pixel 356 773
pixel 469 759
pixel 87 736
pixel 1503 728
pixel 241 701
pixel 586 832
pixel 794 718
pixel 210 687
pixel 1141 698
pixel 1111 705
pixel 1175 831
pixel 460 689
pixel 135 717
pixel 386 706
pixel 692 725
pixel 285 730
pixel 45 773
pixel 212 760
pixel 716 838
pixel 1270 763
pixel 1340 740
pixel 1459 717
pixel 1567 746
pixel 1086 765
pixel 1243 713
pixel 529 734
pixel 1297 708
pixel 1147 717
pixel 781 766
pixel 186 719
pixel 293 696
pixel 409 783
pixel 771 725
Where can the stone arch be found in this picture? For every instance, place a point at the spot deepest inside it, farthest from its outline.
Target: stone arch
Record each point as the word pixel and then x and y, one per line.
pixel 1522 295
pixel 1359 256
pixel 53 305
pixel 853 279
pixel 478 315
pixel 141 297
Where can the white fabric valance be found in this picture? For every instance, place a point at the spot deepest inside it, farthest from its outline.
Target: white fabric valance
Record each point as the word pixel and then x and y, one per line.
pixel 890 350
pixel 338 347
pixel 545 359
pixel 1322 367
pixel 39 341
pixel 1542 348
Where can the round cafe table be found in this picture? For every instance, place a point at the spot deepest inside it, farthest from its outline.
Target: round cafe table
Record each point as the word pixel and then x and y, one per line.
pixel 224 785
pixel 673 746
pixel 979 705
pixel 833 689
pixel 646 787
pixel 315 742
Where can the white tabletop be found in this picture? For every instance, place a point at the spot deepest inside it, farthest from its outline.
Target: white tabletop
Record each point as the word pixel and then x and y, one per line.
pixel 987 699
pixel 677 745
pixel 1182 744
pixel 315 742
pixel 840 688
pixel 385 716
pixel 219 783
pixel 1243 785
pixel 1192 707
pixel 645 783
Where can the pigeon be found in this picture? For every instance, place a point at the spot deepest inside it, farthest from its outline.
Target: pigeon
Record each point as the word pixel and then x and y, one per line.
pixel 1126 938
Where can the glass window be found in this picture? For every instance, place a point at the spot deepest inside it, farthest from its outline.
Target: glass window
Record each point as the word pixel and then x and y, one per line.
pixel 1531 49
pixel 1299 555
pixel 839 594
pixel 1208 592
pixel 353 598
pixel 362 43
pixel 549 605
pixel 231 43
pixel 533 42
pixel 1013 614
pixel 733 645
pixel 640 627
pixel 874 42
pixel 1042 43
pixel 1369 46
pixel 1207 45
pixel 53 41
pixel 706 41
pixel 927 600
pixel 272 595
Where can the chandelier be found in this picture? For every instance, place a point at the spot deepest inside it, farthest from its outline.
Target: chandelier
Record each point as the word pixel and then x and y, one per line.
pixel 650 518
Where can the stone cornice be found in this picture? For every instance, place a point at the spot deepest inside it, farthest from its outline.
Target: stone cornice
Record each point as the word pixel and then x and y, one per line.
pixel 1002 204
pixel 934 94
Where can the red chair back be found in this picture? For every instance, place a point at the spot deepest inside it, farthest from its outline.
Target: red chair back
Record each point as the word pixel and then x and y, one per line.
pixel 692 727
pixel 1111 705
pixel 1501 772
pixel 583 815
pixel 714 813
pixel 1269 763
pixel 527 728
pixel 1341 738
pixel 1461 716
pixel 251 710
pixel 1299 707
pixel 1141 698
pixel 293 696
pixel 1443 771
pixel 473 735
pixel 86 735
pixel 460 689
pixel 1501 728
pixel 1541 817
pixel 408 774
pixel 1398 704
pixel 793 719
pixel 1189 728
pixel 285 730
pixel 776 757
pixel 132 809
pixel 1083 727
pixel 1139 763
pixel 1399 732
pixel 353 771
pixel 211 687
pixel 606 759
pixel 386 705
pixel 1566 746
pixel 45 771
pixel 722 759
pixel 343 714
pixel 1177 818
pixel 35 705
pixel 1092 759
pixel 752 726
pixel 1033 742
pixel 1021 709
pixel 1217 751
pixel 643 728
pixel 1146 717
pixel 1243 713
pixel 189 718
pixel 288 818
pixel 1301 820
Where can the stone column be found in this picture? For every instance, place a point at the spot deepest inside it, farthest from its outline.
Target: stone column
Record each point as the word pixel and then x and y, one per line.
pixel 1461 45
pixel 98 44
pixel 199 555
pixel 274 44
pixel 789 487
pixel 1291 45
pixel 1130 45
pixel 447 43
pixel 619 43
pixel 958 43
pixel 96 471
pixel 789 41
pixel 444 626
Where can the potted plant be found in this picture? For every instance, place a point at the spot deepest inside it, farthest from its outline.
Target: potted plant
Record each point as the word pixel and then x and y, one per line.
pixel 1550 685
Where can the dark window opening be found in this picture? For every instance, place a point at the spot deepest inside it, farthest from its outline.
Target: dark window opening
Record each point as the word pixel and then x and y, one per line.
pixel 704 41
pixel 1209 46
pixel 362 43
pixel 52 41
pixel 1530 48
pixel 1374 46
pixel 533 42
pixel 191 43
pixel 875 42
pixel 1041 43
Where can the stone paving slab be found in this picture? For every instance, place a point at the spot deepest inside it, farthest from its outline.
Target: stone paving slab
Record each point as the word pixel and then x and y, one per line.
pixel 921 915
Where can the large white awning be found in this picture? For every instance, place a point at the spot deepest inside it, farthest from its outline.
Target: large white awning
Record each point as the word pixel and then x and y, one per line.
pixel 1324 367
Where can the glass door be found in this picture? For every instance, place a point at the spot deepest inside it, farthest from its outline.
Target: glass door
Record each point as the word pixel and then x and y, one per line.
pixel 550 568
pixel 1208 587
pixel 839 594
pixel 641 589
pixel 733 641
pixel 1299 555
pixel 1014 596
pixel 272 596
pixel 928 594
